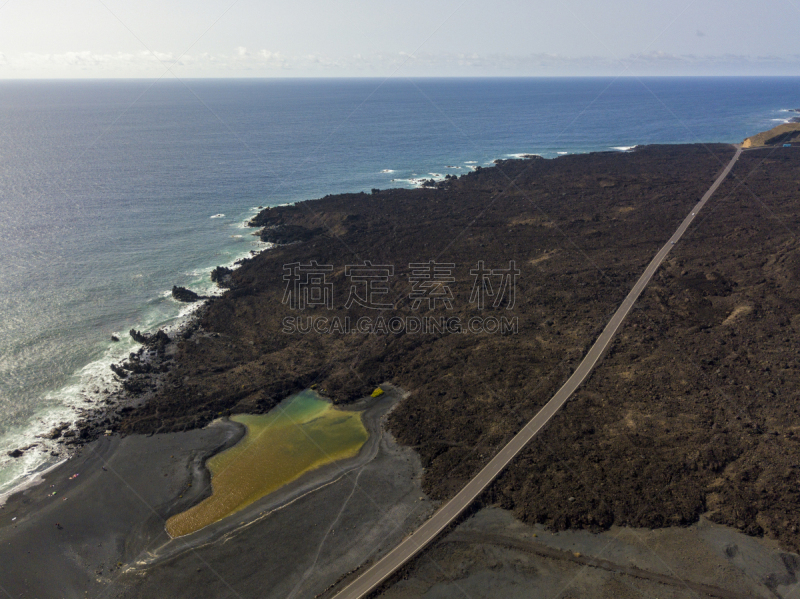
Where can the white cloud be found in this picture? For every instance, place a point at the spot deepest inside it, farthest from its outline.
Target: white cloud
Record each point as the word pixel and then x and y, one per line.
pixel 160 56
pixel 243 62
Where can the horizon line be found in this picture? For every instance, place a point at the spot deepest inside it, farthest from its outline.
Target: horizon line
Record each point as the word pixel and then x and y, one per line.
pixel 398 77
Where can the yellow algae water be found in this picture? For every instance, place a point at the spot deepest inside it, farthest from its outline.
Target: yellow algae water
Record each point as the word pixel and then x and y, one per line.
pixel 302 433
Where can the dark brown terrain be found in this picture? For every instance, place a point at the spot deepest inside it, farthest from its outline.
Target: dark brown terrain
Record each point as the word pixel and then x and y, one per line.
pixel 696 409
pixel 693 411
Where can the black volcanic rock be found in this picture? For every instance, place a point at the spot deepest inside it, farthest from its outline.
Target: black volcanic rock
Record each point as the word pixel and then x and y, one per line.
pixel 160 339
pixel 15 454
pixel 283 234
pixel 153 341
pixel 138 336
pixel 221 275
pixel 119 371
pixel 271 217
pixel 186 295
pixel 56 431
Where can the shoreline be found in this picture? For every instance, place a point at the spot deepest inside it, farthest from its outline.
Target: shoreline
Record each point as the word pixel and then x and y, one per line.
pixel 110 404
pixel 498 152
pixel 119 398
pixel 31 480
pixel 107 396
pixel 182 325
pixel 101 495
pixel 459 389
pixel 102 404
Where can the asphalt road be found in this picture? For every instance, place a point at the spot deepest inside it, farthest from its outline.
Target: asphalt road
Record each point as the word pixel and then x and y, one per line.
pixel 415 542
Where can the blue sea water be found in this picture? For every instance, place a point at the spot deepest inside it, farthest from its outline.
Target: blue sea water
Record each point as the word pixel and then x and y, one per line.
pixel 108 189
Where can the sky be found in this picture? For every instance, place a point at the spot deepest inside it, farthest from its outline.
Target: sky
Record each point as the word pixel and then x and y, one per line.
pixel 376 38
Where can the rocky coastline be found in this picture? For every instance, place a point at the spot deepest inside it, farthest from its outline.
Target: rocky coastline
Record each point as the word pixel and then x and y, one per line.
pixel 642 445
pixel 688 427
pixel 142 374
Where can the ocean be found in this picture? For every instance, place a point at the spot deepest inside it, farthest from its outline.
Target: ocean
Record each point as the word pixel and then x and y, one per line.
pixel 113 191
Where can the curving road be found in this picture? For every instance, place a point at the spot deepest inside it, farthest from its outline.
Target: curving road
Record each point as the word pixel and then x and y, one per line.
pixel 413 544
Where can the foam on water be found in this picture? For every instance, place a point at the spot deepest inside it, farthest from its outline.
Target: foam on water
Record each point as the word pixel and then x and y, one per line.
pixel 30 480
pixel 87 389
pixel 93 383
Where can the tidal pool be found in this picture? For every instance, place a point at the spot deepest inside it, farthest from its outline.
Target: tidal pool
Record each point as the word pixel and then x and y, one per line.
pixel 302 433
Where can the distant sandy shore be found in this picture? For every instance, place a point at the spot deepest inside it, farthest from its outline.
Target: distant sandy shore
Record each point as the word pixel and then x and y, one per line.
pixel 785 133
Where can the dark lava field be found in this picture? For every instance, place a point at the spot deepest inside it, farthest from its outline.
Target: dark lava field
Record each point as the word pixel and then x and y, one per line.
pixel 693 411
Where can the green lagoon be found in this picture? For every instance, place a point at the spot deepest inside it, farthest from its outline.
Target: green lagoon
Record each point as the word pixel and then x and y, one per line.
pixel 302 433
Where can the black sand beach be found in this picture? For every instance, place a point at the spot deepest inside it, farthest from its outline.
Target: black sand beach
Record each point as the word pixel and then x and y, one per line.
pixel 107 538
pixel 492 554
